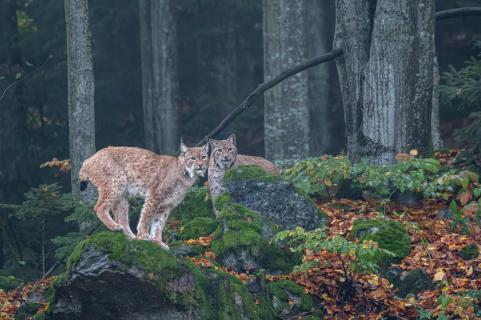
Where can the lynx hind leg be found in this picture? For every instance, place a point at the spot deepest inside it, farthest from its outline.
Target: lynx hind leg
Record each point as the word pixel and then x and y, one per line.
pixel 157 228
pixel 121 216
pixel 104 205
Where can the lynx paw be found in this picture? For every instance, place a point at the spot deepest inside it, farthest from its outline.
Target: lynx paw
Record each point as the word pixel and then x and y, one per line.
pixel 162 245
pixel 144 237
pixel 118 228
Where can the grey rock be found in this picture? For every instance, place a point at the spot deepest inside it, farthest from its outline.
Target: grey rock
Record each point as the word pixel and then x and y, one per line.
pixel 277 201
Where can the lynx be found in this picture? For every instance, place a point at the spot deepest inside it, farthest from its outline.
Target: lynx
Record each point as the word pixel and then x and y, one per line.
pixel 120 172
pixel 223 156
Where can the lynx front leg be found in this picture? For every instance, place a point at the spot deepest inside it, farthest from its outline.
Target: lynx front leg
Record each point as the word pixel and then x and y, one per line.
pixel 157 228
pixel 146 216
pixel 121 215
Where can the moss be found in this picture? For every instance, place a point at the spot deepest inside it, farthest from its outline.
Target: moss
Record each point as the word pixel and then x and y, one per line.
pixel 250 172
pixel 281 292
pixel 469 252
pixel 197 203
pixel 389 234
pixel 199 227
pixel 160 267
pixel 9 282
pixel 243 229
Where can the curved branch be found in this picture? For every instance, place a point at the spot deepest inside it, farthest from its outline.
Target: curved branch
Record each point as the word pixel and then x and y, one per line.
pixel 267 85
pixel 459 12
pixel 440 15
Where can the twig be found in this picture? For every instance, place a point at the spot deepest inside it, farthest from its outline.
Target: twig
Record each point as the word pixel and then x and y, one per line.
pixel 333 54
pixel 26 76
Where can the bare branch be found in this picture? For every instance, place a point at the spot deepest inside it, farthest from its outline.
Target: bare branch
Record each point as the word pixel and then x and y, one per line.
pixel 333 54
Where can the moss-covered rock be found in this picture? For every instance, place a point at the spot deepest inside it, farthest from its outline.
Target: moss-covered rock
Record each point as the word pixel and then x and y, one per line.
pixel 9 282
pixel 469 252
pixel 272 197
pixel 410 282
pixel 286 295
pixel 198 227
pixel 109 277
pixel 242 240
pixel 389 234
pixel 197 203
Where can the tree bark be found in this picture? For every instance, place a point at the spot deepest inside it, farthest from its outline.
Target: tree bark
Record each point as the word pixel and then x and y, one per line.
pixel 386 76
pixel 286 109
pixel 435 130
pixel 318 26
pixel 159 75
pixel 80 92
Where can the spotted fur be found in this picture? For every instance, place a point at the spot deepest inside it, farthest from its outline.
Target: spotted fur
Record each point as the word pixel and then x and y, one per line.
pixel 120 172
pixel 222 157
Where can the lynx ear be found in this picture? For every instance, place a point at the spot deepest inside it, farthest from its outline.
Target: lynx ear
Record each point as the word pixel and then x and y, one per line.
pixel 212 143
pixel 183 147
pixel 206 147
pixel 232 138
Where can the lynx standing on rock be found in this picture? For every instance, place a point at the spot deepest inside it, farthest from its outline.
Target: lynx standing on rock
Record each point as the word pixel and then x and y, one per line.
pixel 120 172
pixel 222 157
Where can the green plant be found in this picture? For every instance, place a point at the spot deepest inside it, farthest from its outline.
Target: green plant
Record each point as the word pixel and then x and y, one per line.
pixel 460 222
pixel 363 253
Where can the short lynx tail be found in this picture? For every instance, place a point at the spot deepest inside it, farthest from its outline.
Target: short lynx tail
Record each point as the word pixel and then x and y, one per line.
pixel 83 185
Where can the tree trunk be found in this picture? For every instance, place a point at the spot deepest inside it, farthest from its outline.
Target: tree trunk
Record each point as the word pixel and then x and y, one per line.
pixel 159 75
pixel 286 109
pixel 435 130
pixel 386 76
pixel 80 92
pixel 318 26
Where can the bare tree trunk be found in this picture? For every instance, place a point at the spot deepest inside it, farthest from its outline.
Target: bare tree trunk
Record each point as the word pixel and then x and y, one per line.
pixel 318 21
pixel 386 75
pixel 435 130
pixel 159 74
pixel 80 92
pixel 286 109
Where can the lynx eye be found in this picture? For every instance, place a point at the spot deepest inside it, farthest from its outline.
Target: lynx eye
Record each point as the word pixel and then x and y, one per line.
pixel 192 158
pixel 204 157
pixel 230 149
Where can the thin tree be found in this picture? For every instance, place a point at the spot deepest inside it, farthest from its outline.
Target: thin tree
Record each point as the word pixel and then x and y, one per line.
pixel 319 28
pixel 80 91
pixel 159 74
pixel 386 75
pixel 286 109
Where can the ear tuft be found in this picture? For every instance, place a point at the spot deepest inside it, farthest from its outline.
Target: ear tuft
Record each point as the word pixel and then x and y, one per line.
pixel 232 138
pixel 183 147
pixel 212 143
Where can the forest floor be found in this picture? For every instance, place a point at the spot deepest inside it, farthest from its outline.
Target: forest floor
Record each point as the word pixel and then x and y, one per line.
pixel 344 294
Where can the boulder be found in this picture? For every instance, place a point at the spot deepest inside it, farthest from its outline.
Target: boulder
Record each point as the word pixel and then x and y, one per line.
pixel 390 236
pixel 110 277
pixel 242 242
pixel 288 299
pixel 410 282
pixel 272 197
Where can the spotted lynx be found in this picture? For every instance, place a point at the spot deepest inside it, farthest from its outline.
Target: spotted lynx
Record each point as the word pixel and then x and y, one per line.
pixel 120 172
pixel 223 156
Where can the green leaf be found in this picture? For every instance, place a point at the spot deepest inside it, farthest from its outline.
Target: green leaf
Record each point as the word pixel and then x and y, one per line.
pixel 18 75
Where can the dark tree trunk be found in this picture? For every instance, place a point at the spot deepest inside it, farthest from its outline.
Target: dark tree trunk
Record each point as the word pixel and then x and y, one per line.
pixel 80 91
pixel 286 109
pixel 386 75
pixel 159 74
pixel 318 25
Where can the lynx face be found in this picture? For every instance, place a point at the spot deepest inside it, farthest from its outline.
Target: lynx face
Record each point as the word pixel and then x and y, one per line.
pixel 224 152
pixel 195 160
